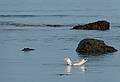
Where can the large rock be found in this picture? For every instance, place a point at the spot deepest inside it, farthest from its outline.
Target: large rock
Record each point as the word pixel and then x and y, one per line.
pixel 94 47
pixel 99 25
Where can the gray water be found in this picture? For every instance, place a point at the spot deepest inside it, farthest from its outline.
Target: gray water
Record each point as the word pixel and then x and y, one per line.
pixel 45 26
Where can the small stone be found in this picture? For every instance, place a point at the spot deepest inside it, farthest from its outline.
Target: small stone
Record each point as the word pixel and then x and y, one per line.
pixel 27 49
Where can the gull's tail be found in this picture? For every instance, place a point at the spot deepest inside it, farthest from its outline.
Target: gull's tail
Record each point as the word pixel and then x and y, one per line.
pixel 67 61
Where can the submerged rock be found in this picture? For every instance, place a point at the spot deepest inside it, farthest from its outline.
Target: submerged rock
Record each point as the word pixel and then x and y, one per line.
pixel 27 49
pixel 99 25
pixel 94 47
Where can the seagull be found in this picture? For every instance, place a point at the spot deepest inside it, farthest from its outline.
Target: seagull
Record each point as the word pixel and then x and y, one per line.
pixel 69 62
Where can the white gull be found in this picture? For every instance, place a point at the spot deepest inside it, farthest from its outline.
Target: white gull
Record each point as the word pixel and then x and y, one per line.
pixel 68 61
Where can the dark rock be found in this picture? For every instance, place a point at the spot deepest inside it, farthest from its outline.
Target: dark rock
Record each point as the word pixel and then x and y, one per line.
pixel 62 74
pixel 54 25
pixel 94 47
pixel 27 49
pixel 99 25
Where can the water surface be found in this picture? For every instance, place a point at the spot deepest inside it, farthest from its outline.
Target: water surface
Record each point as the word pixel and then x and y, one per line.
pixel 45 25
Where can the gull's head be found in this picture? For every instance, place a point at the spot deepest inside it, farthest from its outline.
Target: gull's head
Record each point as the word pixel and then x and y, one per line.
pixel 84 60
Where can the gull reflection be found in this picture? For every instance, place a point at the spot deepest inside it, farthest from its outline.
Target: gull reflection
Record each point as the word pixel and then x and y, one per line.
pixel 68 69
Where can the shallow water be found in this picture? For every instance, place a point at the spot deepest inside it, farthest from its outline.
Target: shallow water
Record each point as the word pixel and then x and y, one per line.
pixel 46 27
